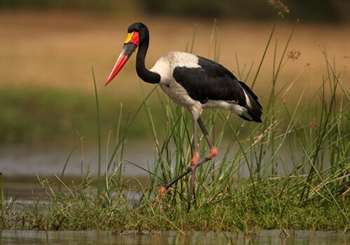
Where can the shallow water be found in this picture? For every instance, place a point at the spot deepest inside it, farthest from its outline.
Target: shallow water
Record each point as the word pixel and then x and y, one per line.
pixel 20 166
pixel 94 237
pixel 49 160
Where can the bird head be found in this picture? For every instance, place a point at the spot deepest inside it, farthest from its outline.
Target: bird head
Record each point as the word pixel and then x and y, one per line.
pixel 137 34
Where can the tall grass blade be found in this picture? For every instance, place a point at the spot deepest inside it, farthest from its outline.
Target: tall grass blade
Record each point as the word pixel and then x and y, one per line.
pixel 66 163
pixel 98 124
pixel 263 56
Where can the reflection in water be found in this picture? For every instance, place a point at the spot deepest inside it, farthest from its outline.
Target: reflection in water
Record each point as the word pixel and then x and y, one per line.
pixel 49 161
pixel 94 237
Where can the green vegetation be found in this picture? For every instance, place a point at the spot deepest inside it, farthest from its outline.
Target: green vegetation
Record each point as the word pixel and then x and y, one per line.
pixel 242 206
pixel 37 115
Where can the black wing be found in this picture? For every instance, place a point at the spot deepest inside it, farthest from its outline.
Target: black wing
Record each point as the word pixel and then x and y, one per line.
pixel 213 81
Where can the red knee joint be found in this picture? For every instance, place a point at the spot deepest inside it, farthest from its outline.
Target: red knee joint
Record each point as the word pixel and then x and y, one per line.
pixel 195 159
pixel 214 152
pixel 162 191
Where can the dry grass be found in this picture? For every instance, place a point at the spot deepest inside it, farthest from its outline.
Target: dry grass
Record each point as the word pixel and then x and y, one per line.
pixel 58 49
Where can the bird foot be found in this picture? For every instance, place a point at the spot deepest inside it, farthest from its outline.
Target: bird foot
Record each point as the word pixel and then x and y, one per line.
pixel 213 152
pixel 195 163
pixel 162 191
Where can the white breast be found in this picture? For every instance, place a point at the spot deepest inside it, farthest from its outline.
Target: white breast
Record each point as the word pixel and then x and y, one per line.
pixel 165 67
pixel 162 67
pixel 177 93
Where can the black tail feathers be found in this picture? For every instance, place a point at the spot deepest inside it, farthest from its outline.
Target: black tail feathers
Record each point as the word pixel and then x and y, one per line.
pixel 252 105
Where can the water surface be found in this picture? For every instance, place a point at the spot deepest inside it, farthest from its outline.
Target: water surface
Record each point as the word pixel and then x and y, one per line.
pixel 94 237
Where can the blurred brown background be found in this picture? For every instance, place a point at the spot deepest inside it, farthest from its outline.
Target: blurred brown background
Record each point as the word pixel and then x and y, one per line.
pixel 48 47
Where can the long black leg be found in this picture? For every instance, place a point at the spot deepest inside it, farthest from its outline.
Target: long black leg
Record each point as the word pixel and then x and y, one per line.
pixel 213 153
pixel 205 133
pixel 195 158
pixel 188 170
pixel 171 183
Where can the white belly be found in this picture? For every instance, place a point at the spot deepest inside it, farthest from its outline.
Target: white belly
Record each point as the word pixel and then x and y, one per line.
pixel 177 93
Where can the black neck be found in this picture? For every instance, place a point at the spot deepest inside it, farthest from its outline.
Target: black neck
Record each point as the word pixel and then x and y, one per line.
pixel 145 74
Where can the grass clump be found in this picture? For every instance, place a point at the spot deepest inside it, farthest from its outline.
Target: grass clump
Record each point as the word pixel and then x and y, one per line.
pixel 244 206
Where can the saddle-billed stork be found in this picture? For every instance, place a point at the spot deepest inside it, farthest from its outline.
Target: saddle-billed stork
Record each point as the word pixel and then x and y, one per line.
pixel 191 81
